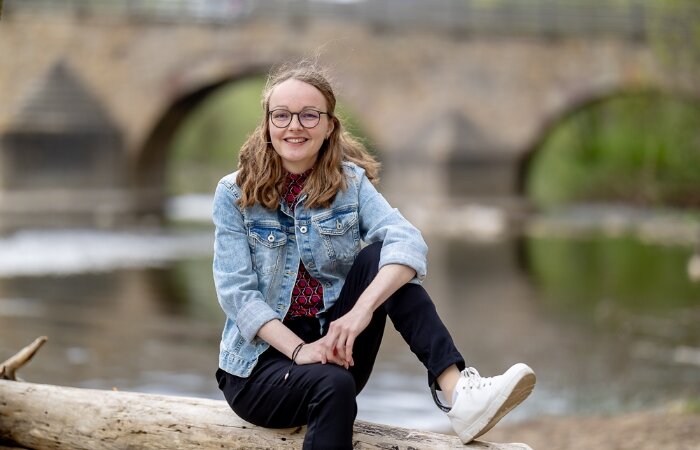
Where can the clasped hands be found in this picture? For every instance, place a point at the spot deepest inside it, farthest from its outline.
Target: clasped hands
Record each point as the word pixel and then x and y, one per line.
pixel 336 346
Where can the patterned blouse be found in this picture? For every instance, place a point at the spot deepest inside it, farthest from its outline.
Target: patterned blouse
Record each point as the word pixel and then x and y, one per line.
pixel 307 295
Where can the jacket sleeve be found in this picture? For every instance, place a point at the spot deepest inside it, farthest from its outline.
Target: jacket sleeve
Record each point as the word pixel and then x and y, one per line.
pixel 236 282
pixel 402 243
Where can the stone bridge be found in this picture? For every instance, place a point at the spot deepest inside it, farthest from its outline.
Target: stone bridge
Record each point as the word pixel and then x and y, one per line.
pixel 446 87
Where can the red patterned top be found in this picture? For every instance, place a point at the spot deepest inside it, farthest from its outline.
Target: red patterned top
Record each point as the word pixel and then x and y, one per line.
pixel 307 294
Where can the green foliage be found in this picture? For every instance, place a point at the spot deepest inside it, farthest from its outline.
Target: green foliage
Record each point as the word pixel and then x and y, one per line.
pixel 206 146
pixel 639 148
pixel 674 34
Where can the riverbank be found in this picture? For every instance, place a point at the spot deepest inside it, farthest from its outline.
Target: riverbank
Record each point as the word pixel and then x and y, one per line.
pixel 649 430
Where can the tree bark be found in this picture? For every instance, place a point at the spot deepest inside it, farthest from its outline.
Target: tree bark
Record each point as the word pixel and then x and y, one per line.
pixel 51 417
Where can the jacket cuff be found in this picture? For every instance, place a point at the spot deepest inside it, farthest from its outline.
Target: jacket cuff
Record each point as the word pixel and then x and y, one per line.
pixel 252 317
pixel 406 254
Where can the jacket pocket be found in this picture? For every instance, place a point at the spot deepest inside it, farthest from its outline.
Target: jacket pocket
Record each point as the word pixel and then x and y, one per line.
pixel 266 245
pixel 340 234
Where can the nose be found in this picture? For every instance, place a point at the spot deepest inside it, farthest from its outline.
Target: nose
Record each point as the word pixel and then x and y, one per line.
pixel 295 124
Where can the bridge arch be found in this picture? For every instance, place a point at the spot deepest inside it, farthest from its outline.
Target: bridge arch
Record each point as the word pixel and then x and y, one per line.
pixel 150 163
pixel 579 103
pixel 190 90
pixel 511 90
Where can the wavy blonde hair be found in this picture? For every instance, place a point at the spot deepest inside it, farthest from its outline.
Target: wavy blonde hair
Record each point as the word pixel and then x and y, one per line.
pixel 261 176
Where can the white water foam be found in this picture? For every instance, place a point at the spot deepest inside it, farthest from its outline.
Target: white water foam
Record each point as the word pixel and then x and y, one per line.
pixel 64 252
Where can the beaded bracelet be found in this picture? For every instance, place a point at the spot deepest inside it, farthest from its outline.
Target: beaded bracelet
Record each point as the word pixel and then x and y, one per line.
pixel 294 357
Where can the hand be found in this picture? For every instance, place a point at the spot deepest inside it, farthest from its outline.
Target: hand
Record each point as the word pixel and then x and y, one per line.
pixel 342 333
pixel 316 352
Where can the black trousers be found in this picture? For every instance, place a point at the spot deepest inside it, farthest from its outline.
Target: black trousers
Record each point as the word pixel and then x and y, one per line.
pixel 322 396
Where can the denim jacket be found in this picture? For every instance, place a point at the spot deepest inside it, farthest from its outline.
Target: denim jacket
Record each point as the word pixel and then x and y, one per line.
pixel 257 252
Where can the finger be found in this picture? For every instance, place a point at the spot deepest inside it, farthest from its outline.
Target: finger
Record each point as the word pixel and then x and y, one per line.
pixel 335 339
pixel 349 343
pixel 330 354
pixel 343 363
pixel 320 349
pixel 336 349
pixel 338 353
pixel 340 348
pixel 334 358
pixel 331 339
pixel 339 362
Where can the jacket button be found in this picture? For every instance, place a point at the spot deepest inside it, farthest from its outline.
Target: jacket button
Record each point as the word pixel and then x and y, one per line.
pixel 271 238
pixel 303 229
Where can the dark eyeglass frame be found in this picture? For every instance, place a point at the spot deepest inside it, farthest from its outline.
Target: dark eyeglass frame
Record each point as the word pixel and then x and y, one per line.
pixel 292 114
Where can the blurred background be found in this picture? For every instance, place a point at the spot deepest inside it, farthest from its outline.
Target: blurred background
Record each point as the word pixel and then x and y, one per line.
pixel 549 150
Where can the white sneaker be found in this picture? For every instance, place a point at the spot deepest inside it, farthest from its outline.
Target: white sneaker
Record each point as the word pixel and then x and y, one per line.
pixel 481 402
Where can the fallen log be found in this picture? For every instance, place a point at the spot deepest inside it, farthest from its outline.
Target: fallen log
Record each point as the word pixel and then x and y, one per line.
pixel 50 417
pixel 40 416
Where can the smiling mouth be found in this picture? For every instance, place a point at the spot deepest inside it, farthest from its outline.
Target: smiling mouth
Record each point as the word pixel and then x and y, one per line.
pixel 298 140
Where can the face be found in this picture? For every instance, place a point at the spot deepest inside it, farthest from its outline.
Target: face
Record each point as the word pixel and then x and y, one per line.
pixel 298 146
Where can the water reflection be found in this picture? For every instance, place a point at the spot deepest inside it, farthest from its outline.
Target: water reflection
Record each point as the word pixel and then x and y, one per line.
pixel 609 324
pixel 535 304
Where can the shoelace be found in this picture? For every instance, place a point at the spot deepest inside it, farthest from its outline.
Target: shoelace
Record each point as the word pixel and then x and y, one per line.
pixel 474 381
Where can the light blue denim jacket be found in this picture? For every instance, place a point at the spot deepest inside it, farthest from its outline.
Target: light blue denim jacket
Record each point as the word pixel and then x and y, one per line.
pixel 257 253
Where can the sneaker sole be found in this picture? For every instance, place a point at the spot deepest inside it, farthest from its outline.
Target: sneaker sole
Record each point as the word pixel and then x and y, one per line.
pixel 518 393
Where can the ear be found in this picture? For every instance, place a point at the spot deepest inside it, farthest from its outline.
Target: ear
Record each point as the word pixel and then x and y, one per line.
pixel 331 127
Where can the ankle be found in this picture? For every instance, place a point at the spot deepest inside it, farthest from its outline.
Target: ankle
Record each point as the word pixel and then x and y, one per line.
pixel 447 381
pixel 448 399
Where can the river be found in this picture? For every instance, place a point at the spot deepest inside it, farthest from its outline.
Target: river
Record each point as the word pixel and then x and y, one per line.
pixel 609 321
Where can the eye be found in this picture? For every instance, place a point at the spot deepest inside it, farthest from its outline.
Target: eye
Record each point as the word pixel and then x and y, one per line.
pixel 281 115
pixel 310 115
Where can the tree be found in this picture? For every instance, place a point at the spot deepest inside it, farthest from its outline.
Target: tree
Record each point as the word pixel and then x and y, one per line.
pixel 674 34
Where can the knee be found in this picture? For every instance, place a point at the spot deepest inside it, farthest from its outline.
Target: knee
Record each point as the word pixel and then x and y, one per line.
pixel 338 383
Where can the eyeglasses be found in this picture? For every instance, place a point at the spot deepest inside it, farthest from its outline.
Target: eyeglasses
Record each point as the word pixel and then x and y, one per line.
pixel 308 118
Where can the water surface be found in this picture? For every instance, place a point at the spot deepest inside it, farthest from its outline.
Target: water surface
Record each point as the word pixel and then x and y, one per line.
pixel 608 323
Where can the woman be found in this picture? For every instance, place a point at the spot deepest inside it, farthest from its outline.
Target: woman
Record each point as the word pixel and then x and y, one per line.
pixel 305 304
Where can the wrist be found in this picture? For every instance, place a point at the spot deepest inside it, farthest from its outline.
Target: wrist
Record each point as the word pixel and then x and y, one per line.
pixel 365 305
pixel 295 352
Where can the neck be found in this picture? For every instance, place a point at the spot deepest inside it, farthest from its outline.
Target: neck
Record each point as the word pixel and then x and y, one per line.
pixel 297 169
